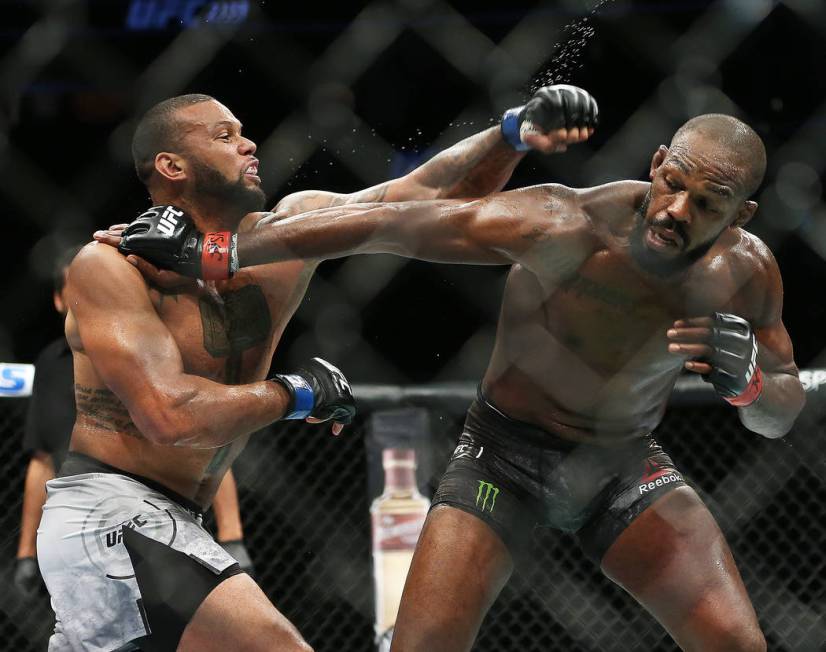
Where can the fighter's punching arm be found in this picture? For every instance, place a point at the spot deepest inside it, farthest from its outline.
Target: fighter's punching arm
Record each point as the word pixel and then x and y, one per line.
pixel 555 117
pixel 538 227
pixel 136 357
pixel 749 362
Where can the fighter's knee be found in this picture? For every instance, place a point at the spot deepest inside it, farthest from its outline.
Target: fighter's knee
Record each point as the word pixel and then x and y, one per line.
pixel 295 644
pixel 275 637
pixel 734 636
pixel 749 641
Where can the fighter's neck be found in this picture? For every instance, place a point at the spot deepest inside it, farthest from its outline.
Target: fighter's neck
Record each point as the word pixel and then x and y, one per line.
pixel 207 216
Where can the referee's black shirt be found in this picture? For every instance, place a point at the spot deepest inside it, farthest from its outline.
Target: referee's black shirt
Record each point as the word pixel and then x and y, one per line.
pixel 51 410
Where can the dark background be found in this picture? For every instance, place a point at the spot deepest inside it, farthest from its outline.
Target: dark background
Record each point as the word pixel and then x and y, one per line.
pixel 347 97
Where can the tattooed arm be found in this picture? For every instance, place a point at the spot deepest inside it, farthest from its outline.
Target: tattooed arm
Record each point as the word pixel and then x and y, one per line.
pixel 146 391
pixel 474 167
pixel 543 228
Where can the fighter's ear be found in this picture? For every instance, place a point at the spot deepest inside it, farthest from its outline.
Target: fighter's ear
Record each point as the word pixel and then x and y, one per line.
pixel 744 214
pixel 170 166
pixel 657 160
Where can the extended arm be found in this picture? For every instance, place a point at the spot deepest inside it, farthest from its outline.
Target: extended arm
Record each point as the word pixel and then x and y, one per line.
pixel 534 226
pixel 474 167
pixel 137 358
pixel 556 116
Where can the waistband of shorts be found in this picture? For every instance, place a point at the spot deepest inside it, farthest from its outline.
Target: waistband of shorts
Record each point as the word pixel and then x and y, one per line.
pixel 78 463
pixel 522 430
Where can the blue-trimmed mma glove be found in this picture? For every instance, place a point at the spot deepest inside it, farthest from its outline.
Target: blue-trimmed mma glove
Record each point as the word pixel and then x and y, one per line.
pixel 552 107
pixel 318 390
pixel 734 371
pixel 238 551
pixel 167 238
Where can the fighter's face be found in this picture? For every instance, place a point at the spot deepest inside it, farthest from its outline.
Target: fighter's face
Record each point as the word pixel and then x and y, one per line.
pixel 694 197
pixel 221 162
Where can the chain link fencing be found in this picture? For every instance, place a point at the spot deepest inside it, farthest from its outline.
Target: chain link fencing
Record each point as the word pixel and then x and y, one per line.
pixel 347 100
pixel 305 499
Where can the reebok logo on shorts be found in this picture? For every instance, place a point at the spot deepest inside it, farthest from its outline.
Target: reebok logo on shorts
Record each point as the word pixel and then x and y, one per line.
pixel 657 476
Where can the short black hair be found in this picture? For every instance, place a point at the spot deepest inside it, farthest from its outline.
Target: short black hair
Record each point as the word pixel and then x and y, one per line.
pixel 158 131
pixel 743 142
pixel 63 260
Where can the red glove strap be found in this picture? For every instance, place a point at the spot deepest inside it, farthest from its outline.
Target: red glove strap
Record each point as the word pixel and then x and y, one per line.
pixel 751 393
pixel 215 256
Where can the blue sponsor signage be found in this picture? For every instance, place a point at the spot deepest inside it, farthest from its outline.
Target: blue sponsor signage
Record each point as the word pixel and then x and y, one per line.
pixel 161 14
pixel 16 379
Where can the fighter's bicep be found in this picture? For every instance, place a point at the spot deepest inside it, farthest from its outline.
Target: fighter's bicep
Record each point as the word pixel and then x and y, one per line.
pixel 120 331
pixel 541 228
pixel 775 351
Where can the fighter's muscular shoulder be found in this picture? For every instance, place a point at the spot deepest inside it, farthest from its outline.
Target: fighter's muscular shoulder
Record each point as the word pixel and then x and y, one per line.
pixel 755 275
pixel 573 223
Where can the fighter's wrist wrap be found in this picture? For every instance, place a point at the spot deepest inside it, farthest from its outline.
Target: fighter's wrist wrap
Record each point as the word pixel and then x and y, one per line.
pixel 735 373
pixel 219 255
pixel 751 393
pixel 167 238
pixel 302 397
pixel 510 129
pixel 318 389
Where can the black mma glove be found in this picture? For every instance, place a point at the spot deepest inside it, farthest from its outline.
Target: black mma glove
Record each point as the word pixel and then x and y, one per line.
pixel 168 239
pixel 552 107
pixel 318 390
pixel 734 374
pixel 238 551
pixel 27 577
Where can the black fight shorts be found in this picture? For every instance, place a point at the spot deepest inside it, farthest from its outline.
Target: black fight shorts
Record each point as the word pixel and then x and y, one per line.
pixel 515 476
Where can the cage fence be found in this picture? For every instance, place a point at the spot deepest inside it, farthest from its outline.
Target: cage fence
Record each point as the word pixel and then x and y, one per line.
pixel 305 501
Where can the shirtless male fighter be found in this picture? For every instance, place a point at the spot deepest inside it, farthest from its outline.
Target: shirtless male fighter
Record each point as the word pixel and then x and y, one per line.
pixel 613 290
pixel 170 381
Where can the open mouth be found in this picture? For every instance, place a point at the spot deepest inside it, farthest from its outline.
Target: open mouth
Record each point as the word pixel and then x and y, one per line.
pixel 252 170
pixel 663 239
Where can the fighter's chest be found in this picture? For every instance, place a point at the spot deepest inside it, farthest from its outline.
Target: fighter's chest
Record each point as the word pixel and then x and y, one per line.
pixel 226 331
pixel 610 306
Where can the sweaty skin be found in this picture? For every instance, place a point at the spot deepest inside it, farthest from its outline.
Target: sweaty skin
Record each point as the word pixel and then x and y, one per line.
pixel 590 339
pixel 169 375
pixel 609 296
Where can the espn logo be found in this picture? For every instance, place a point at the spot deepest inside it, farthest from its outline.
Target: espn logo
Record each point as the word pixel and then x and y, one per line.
pixel 169 221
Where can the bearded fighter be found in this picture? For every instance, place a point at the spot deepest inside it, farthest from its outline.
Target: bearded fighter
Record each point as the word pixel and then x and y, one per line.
pixel 171 381
pixel 612 292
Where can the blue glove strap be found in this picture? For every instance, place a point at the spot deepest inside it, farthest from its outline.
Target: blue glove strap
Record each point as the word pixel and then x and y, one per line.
pixel 304 397
pixel 510 129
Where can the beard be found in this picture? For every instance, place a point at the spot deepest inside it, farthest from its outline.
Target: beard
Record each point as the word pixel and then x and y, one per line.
pixel 655 263
pixel 210 184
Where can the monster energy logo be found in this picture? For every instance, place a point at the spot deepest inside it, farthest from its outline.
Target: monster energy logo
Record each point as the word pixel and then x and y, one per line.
pixel 486 492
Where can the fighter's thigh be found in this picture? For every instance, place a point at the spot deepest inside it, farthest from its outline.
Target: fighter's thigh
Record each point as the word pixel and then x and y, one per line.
pixel 459 567
pixel 674 560
pixel 236 615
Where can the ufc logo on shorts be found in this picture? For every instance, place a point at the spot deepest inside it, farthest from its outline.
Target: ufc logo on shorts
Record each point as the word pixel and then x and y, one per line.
pixel 168 221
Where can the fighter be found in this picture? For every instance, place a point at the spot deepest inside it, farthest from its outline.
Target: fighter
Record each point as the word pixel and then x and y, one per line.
pixel 612 292
pixel 171 381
